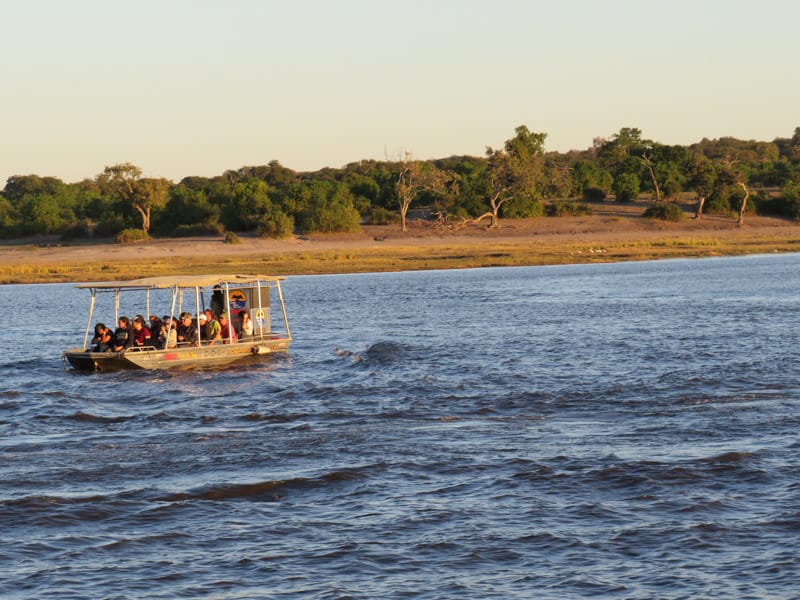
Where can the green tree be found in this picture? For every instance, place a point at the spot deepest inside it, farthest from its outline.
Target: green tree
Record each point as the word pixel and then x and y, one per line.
pixel 7 215
pixel 626 187
pixel 589 180
pixel 701 176
pixel 517 171
pixel 187 206
pixel 327 207
pixel 614 154
pixel 243 204
pixel 125 180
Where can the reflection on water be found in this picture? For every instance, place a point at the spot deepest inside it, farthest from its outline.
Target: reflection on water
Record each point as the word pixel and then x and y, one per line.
pixel 622 430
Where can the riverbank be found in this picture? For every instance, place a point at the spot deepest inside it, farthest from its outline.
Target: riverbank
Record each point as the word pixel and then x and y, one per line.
pixel 612 233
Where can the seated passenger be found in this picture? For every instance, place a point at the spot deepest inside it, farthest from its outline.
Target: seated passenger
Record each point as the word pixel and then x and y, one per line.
pixel 245 325
pixel 98 332
pixel 227 332
pixel 141 334
pixel 209 329
pixel 168 334
pixel 201 325
pixel 154 326
pixel 123 337
pixel 104 339
pixel 187 332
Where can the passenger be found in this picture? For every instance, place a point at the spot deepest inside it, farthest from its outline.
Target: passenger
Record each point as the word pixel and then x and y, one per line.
pixel 123 337
pixel 98 332
pixel 187 332
pixel 245 325
pixel 227 332
pixel 202 321
pixel 209 329
pixel 168 335
pixel 217 301
pixel 155 325
pixel 141 334
pixel 105 341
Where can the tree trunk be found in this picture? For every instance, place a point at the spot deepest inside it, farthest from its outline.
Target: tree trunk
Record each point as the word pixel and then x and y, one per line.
pixel 652 176
pixel 744 202
pixel 698 210
pixel 495 204
pixel 403 213
pixel 145 218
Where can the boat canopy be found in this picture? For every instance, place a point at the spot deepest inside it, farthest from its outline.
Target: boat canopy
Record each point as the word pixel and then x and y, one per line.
pixel 179 281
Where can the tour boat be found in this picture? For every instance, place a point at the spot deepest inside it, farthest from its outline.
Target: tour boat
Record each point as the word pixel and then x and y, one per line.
pixel 186 295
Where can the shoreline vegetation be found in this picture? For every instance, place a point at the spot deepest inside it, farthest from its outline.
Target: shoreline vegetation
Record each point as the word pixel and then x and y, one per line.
pixel 613 232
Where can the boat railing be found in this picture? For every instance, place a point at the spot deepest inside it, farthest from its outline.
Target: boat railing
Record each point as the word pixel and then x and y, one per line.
pixel 254 338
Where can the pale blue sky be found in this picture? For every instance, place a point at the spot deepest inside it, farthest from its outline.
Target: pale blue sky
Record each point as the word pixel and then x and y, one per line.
pixel 184 87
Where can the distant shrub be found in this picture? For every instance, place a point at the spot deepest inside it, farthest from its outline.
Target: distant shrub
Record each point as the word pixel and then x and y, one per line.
pixel 785 205
pixel 593 194
pixel 378 215
pixel 198 229
pixel 458 213
pixel 129 236
pixel 78 231
pixel 717 205
pixel 565 208
pixel 276 224
pixel 626 187
pixel 109 227
pixel 665 211
pixel 523 208
pixel 231 238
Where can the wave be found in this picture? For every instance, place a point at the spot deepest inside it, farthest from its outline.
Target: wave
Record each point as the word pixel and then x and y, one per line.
pixel 380 353
pixel 83 417
pixel 265 491
pixel 287 418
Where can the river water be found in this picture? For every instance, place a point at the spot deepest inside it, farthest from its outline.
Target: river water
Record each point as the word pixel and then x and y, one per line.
pixel 607 431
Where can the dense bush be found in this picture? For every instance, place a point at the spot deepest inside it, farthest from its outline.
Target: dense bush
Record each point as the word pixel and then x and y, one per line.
pixel 128 236
pixel 326 206
pixel 78 231
pixel 564 208
pixel 626 187
pixel 276 224
pixel 593 194
pixel 197 229
pixel 665 211
pixel 110 226
pixel 381 216
pixel 523 208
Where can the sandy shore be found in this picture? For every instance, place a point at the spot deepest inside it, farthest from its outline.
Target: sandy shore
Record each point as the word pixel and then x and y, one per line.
pixel 613 232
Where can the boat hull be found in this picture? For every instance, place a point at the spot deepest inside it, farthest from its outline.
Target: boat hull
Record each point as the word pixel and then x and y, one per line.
pixel 187 357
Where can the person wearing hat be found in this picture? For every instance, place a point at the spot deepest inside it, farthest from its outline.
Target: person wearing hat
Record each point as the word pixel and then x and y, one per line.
pixel 209 328
pixel 187 332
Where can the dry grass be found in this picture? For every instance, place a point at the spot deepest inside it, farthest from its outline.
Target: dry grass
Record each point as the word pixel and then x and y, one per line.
pixel 612 234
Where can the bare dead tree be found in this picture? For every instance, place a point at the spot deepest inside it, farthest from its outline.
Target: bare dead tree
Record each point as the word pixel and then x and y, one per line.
pixel 414 178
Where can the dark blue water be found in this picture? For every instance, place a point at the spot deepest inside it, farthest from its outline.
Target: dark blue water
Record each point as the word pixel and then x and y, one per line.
pixel 605 431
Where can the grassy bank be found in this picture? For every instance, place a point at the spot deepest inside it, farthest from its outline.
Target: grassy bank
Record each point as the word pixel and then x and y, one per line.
pixel 441 255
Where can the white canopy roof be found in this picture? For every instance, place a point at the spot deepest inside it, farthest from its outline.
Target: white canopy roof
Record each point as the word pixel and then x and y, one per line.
pixel 181 281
